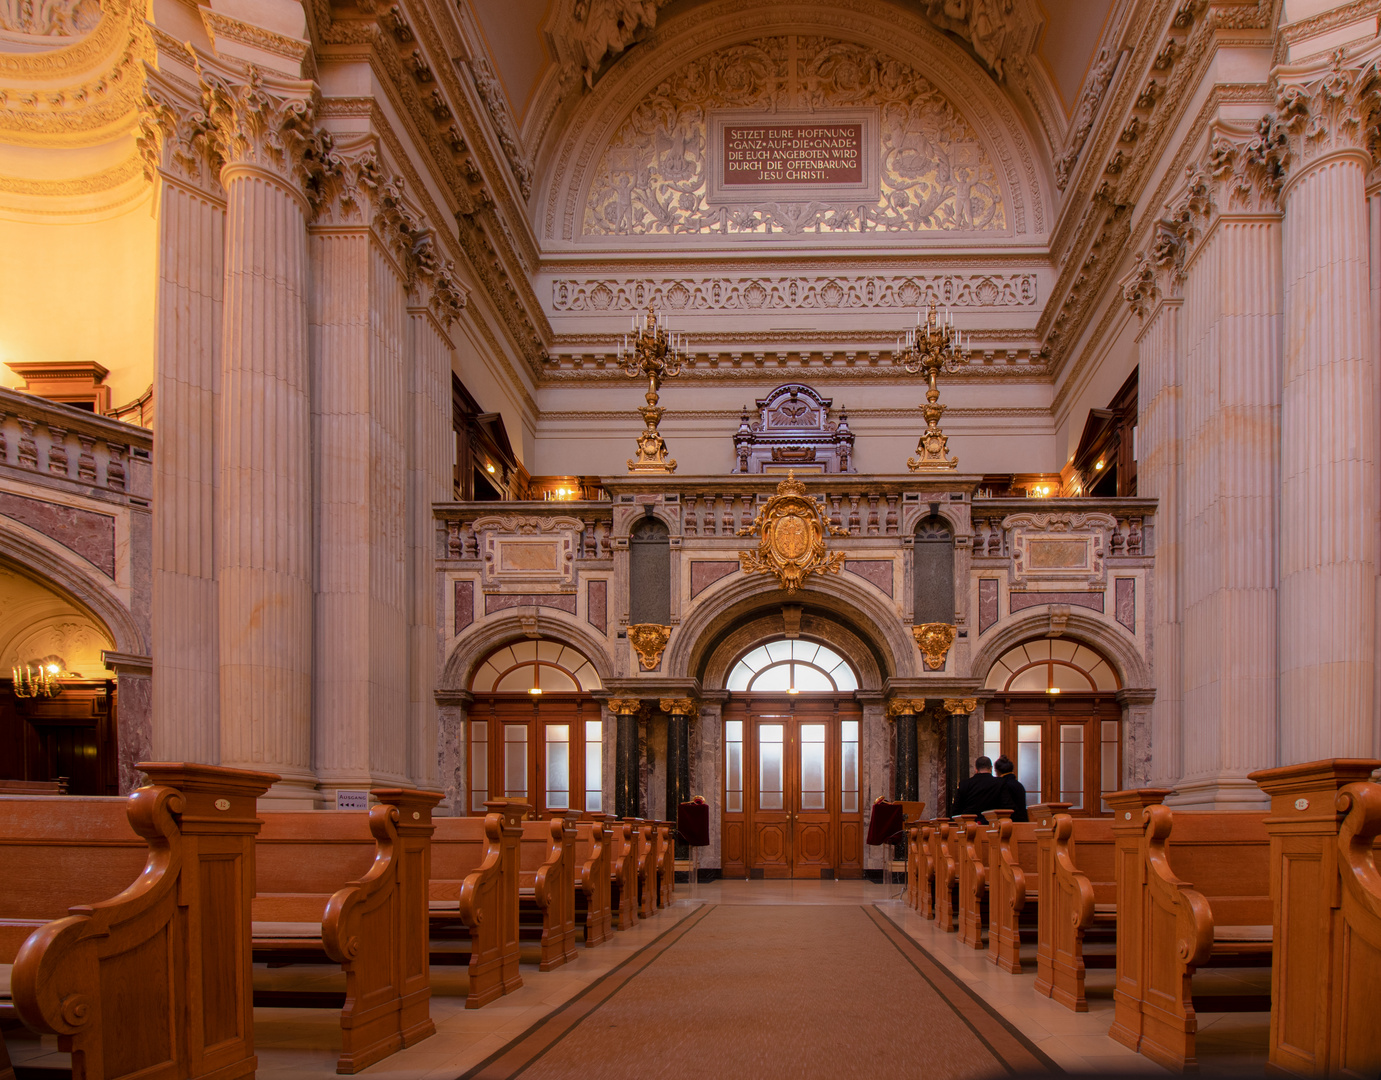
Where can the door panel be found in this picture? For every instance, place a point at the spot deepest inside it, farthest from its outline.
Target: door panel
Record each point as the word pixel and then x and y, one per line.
pixel 786 754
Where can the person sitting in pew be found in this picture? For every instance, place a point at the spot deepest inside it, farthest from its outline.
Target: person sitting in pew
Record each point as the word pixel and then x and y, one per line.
pixel 979 792
pixel 1011 792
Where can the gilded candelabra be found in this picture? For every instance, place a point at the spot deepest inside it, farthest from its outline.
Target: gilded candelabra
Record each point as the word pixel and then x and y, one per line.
pixel 933 345
pixel 654 353
pixel 36 678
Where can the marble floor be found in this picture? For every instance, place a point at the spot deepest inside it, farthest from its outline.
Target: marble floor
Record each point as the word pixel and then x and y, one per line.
pixel 302 1044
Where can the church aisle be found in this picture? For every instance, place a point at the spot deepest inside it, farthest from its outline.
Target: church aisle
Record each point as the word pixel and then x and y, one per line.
pixel 784 990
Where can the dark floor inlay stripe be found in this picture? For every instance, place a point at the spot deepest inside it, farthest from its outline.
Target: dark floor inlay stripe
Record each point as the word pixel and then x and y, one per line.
pixel 1017 1052
pixel 527 1048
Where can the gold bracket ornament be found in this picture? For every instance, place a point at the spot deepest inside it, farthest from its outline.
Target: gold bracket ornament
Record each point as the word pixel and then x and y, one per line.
pixel 934 640
pixel 648 641
pixel 793 530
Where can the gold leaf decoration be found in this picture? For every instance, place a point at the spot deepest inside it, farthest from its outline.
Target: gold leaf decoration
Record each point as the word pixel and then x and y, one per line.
pixel 793 531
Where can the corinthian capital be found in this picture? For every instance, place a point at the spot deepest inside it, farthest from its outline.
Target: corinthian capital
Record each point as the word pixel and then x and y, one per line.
pixel 1158 273
pixel 1247 170
pixel 1324 109
pixel 175 139
pixel 263 120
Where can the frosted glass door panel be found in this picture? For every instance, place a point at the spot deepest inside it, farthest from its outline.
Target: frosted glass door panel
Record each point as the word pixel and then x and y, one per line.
pixel 558 766
pixel 515 761
pixel 812 766
pixel 770 761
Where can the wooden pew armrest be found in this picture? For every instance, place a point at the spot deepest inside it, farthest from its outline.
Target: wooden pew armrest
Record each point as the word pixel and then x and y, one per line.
pixel 342 924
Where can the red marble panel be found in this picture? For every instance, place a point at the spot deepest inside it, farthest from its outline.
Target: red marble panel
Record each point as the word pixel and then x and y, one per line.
pixel 597 604
pixel 705 574
pixel 88 534
pixel 876 571
pixel 500 601
pixel 1018 601
pixel 1124 602
pixel 465 604
pixel 988 613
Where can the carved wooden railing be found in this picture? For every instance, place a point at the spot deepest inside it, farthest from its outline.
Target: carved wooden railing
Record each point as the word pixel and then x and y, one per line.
pixel 60 443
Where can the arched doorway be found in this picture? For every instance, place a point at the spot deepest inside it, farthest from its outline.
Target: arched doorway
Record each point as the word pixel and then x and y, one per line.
pixel 792 783
pixel 535 731
pixel 57 698
pixel 1056 715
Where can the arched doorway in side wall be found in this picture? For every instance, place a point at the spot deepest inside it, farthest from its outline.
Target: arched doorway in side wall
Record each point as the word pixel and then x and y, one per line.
pixel 793 805
pixel 535 731
pixel 1056 715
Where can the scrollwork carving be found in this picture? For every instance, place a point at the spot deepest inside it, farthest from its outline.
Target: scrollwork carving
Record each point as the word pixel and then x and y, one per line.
pixel 1328 112
pixel 49 18
pixel 176 137
pixel 589 31
pixel 491 93
pixel 1095 86
pixel 935 172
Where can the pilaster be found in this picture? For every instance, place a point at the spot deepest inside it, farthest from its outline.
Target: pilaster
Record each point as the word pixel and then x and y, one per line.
pixel 1328 536
pixel 261 125
pixel 180 158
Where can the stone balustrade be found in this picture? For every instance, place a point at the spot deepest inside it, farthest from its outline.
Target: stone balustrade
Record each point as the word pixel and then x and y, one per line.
pixel 1131 537
pixel 459 540
pixel 64 447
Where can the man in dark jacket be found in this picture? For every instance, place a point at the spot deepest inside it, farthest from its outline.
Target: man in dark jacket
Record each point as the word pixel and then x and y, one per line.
pixel 979 792
pixel 1011 794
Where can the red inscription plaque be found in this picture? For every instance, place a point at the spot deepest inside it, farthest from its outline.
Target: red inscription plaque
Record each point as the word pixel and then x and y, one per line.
pixel 757 155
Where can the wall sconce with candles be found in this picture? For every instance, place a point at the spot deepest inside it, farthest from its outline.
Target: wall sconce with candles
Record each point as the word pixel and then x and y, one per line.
pixel 38 678
pixel 653 353
pixel 933 345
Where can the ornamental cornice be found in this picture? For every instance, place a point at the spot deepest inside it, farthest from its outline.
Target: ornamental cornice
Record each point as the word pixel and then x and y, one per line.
pixel 261 120
pixel 496 102
pixel 219 25
pixel 92 184
pixel 81 56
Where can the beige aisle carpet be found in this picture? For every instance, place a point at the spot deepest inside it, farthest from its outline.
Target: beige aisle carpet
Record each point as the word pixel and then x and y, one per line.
pixel 767 992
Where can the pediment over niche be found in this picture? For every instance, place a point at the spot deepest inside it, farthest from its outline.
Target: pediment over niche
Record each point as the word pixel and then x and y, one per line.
pixel 793 430
pixel 665 170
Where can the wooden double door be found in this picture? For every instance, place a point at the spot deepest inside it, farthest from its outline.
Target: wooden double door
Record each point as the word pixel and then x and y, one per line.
pixel 792 787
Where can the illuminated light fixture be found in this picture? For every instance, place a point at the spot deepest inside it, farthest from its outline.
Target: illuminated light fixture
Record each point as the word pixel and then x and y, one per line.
pixel 37 678
pixel 490 469
pixel 791 678
pixel 1053 690
pixel 535 690
pixel 1098 466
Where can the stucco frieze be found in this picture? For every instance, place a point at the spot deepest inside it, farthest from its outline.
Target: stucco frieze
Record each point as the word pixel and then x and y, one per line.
pixel 824 292
pixel 51 18
pixel 1095 86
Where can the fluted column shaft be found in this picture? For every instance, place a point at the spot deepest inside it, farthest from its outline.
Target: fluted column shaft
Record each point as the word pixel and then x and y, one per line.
pixel 429 481
pixel 1230 409
pixel 264 559
pixel 360 403
pixel 1158 477
pixel 191 226
pixel 1328 540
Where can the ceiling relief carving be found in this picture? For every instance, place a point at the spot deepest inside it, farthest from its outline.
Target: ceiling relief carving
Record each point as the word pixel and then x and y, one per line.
pixel 863 292
pixel 936 174
pixel 49 18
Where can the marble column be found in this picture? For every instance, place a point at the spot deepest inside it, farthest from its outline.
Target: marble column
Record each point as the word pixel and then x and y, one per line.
pixel 1230 378
pixel 179 156
pixel 358 335
pixel 905 776
pixel 678 760
pixel 706 779
pixel 262 129
pixel 453 751
pixel 1328 534
pixel 1136 734
pixel 958 759
pixel 626 756
pixel 1153 289
pixel 133 716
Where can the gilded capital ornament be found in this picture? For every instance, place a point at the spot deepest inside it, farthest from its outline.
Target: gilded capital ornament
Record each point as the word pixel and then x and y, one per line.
pixel 648 641
pixel 793 530
pixel 961 706
pixel 624 706
pixel 905 707
pixel 678 706
pixel 934 640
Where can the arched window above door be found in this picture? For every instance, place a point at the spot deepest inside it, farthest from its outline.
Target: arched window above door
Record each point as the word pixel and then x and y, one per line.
pixel 535 667
pixel 1052 665
pixel 792 665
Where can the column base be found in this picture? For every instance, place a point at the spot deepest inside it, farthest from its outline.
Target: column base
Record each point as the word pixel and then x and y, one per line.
pixel 1226 791
pixel 289 794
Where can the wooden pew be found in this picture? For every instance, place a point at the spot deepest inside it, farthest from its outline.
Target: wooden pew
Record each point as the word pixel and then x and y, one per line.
pixel 155 980
pixel 1326 916
pixel 915 863
pixel 645 834
pixel 351 889
pixel 666 863
pixel 594 842
pixel 1219 912
pixel 929 853
pixel 973 861
pixel 473 895
pixel 623 874
pixel 1014 886
pixel 34 787
pixel 947 872
pixel 546 888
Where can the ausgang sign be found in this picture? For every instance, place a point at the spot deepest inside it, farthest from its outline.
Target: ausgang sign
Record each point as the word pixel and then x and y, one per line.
pixel 826 156
pixel 792 154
